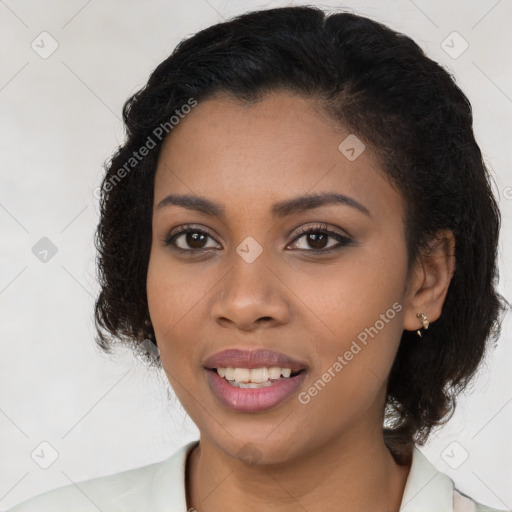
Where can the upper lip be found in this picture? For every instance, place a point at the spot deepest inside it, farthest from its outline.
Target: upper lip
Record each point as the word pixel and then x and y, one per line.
pixel 238 358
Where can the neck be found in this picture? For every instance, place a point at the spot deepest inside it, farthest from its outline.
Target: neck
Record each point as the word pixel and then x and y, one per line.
pixel 346 474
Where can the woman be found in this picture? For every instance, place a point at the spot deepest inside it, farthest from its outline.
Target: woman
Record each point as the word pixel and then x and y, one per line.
pixel 300 230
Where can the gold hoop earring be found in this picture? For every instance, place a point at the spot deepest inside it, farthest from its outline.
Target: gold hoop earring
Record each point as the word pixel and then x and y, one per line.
pixel 424 321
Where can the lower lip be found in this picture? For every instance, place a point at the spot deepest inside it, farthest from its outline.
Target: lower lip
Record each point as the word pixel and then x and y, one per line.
pixel 253 400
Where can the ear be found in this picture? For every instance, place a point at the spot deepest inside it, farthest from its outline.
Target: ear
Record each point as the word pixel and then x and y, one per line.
pixel 429 280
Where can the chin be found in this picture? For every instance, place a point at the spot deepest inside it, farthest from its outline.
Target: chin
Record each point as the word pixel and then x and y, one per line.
pixel 260 448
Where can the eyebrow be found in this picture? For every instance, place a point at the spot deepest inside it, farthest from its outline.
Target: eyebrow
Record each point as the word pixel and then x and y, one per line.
pixel 279 209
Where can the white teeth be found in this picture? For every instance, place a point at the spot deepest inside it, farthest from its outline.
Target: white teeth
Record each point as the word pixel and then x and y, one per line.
pixel 242 374
pixel 274 372
pixel 258 375
pixel 252 385
pixel 255 377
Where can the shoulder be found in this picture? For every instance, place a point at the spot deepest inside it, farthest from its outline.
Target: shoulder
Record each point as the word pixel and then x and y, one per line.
pixel 463 503
pixel 429 489
pixel 101 493
pixel 154 485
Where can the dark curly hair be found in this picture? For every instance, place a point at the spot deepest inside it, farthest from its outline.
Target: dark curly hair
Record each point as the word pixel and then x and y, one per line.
pixel 379 84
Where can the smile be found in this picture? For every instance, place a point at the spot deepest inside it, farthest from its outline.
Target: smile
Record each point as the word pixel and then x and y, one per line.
pixel 255 378
pixel 247 396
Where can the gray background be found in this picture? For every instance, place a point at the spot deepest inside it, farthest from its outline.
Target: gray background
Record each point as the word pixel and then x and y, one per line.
pixel 60 121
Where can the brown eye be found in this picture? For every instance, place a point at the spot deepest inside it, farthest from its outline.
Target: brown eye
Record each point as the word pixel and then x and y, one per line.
pixel 195 240
pixel 316 239
pixel 189 239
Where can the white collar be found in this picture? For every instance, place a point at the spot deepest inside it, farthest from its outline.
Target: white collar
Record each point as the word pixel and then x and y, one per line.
pixel 426 488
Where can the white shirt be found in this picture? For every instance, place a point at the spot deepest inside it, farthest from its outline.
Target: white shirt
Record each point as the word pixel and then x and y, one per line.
pixel 160 487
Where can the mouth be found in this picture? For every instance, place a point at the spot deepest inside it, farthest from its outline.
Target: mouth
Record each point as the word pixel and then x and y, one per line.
pixel 255 378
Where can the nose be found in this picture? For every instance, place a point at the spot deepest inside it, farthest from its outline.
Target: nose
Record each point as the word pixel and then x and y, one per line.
pixel 251 295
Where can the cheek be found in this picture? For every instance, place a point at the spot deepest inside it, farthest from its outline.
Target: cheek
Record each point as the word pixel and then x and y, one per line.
pixel 352 293
pixel 359 303
pixel 173 291
pixel 174 295
pixel 170 297
pixel 351 368
pixel 177 295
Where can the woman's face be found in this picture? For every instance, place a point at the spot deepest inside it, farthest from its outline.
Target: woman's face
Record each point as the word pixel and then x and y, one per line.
pixel 246 278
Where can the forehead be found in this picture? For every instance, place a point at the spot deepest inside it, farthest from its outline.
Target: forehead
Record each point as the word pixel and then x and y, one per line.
pixel 281 146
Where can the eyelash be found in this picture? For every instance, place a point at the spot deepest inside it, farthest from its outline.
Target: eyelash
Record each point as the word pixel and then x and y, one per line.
pixel 343 241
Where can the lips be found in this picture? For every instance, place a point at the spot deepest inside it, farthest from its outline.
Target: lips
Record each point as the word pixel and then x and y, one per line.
pixel 236 358
pixel 251 397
